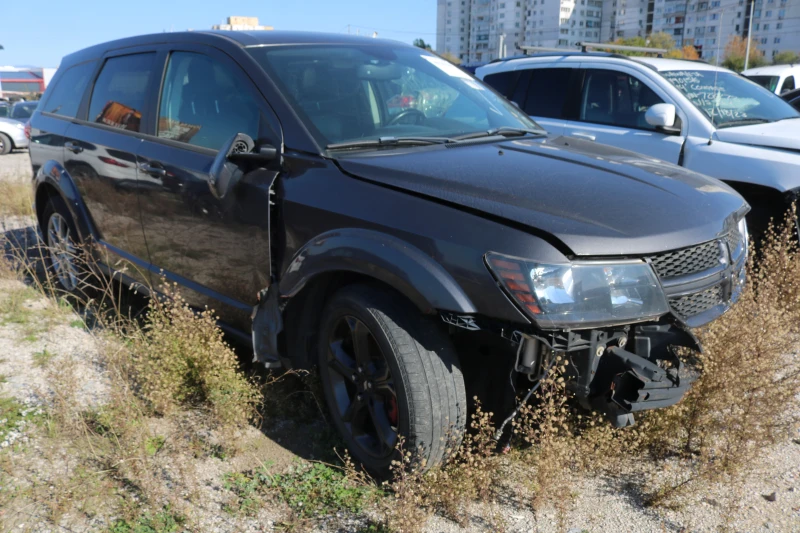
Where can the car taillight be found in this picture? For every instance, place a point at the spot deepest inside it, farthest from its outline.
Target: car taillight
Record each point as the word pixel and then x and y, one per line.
pixel 28 130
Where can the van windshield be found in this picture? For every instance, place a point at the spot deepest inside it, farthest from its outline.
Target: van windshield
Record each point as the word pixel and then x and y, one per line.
pixel 345 93
pixel 728 99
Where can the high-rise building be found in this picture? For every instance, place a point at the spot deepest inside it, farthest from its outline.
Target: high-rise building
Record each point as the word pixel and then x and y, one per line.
pixel 241 24
pixel 477 31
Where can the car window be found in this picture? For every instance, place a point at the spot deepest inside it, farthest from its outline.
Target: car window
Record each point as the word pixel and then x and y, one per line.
pixel 768 82
pixel 615 98
pixel 23 111
pixel 546 92
pixel 502 82
pixel 348 92
pixel 203 103
pixel 65 97
pixel 788 84
pixel 3 111
pixel 119 93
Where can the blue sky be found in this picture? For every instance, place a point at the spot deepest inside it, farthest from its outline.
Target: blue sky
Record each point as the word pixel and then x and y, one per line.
pixel 42 32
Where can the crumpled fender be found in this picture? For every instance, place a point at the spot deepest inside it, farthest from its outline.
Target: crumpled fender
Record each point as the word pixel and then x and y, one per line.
pixel 381 256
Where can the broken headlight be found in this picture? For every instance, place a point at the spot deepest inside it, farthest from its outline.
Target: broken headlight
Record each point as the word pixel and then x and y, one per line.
pixel 581 294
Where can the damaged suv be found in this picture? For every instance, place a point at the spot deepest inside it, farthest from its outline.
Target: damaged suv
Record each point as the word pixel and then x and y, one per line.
pixel 365 207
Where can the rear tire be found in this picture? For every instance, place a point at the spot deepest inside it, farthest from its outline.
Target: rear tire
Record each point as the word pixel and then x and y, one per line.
pixel 64 255
pixel 5 144
pixel 403 380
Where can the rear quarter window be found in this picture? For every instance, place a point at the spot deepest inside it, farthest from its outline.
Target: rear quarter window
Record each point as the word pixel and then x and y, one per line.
pixel 502 82
pixel 64 98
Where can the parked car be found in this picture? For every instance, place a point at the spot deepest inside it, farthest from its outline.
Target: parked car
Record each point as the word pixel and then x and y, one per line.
pixel 704 118
pixel 22 111
pixel 366 207
pixel 778 79
pixel 12 135
pixel 793 98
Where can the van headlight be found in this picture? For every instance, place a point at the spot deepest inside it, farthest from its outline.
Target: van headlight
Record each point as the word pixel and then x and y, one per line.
pixel 581 294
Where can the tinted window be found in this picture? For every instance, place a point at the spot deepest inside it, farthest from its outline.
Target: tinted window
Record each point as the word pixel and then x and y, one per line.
pixel 615 98
pixel 503 82
pixel 203 102
pixel 768 82
pixel 119 93
pixel 788 84
pixel 547 92
pixel 4 110
pixel 65 97
pixel 23 110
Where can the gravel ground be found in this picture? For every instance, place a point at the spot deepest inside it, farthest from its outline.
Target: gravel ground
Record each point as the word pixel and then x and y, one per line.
pixel 768 500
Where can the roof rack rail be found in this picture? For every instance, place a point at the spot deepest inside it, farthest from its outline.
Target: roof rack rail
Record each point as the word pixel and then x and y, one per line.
pixel 585 47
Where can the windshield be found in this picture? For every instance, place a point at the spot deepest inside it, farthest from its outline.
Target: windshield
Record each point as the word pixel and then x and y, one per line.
pixel 768 82
pixel 23 111
pixel 347 93
pixel 728 99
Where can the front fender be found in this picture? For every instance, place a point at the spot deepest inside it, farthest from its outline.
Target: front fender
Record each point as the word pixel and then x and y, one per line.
pixel 381 256
pixel 52 178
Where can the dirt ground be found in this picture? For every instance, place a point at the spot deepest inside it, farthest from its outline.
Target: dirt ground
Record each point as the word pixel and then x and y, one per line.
pixel 49 343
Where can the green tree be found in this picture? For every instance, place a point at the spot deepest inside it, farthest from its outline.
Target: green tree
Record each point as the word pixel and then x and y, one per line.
pixel 735 51
pixel 786 57
pixel 420 43
pixel 654 40
pixel 451 58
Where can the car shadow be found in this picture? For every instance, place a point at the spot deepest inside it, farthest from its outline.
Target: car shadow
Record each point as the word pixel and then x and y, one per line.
pixel 293 414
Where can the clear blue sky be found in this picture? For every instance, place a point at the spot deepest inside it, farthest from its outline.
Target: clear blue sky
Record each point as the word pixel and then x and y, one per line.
pixel 42 32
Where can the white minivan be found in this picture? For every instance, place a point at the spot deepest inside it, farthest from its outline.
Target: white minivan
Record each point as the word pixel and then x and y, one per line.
pixel 776 78
pixel 705 118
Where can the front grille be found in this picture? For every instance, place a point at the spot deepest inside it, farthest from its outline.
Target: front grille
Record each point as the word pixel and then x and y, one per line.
pixel 694 304
pixel 687 261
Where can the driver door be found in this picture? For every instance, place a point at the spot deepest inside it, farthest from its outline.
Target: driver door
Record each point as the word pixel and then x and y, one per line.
pixel 217 250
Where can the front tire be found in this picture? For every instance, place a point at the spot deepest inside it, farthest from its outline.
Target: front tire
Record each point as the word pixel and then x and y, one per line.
pixel 388 373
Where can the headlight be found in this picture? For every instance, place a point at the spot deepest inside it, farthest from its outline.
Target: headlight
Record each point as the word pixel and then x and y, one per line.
pixel 578 295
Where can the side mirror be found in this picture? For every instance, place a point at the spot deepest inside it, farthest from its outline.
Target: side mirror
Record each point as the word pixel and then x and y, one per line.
pixel 661 115
pixel 234 160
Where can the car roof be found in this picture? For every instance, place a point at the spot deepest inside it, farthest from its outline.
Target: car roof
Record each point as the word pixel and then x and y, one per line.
pixel 655 63
pixel 771 69
pixel 241 38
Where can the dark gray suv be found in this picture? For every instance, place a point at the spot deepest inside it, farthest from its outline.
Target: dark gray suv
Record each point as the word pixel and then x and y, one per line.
pixel 365 207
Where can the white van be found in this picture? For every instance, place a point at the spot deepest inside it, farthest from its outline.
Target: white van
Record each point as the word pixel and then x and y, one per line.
pixel 777 78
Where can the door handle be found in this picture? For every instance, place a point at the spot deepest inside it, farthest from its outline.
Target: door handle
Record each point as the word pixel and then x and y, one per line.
pixel 581 135
pixel 154 169
pixel 72 147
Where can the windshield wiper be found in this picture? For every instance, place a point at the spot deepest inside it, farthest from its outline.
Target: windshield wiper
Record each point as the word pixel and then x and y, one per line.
pixel 504 131
pixel 389 141
pixel 743 122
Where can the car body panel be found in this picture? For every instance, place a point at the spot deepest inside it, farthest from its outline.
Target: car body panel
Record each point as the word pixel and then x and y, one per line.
pixel 665 207
pixel 15 131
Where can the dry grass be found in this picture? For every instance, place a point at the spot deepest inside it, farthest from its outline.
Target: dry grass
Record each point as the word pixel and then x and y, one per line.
pixel 16 198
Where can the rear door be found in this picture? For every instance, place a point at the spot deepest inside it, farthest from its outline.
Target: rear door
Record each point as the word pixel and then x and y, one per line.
pixel 542 92
pixel 100 156
pixel 611 106
pixel 217 249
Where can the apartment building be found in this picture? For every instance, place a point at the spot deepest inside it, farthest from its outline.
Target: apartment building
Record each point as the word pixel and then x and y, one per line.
pixel 477 31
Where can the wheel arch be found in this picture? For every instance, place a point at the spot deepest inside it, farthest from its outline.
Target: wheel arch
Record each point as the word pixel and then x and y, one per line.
pixel 51 180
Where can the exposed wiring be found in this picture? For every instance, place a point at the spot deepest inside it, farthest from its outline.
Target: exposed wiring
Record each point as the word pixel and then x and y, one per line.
pixel 499 433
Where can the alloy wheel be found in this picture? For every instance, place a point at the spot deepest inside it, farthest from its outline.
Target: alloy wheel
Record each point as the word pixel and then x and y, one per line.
pixel 363 387
pixel 62 251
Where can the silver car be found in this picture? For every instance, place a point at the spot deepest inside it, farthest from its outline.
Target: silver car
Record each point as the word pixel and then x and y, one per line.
pixel 12 135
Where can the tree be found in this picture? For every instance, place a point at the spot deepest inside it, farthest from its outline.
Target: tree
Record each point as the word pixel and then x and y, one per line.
pixel 786 57
pixel 661 40
pixel 687 52
pixel 420 43
pixel 655 40
pixel 451 58
pixel 735 51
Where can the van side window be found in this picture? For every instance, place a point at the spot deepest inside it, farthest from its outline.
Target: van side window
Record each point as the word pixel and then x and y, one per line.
pixel 203 104
pixel 119 93
pixel 547 92
pixel 65 96
pixel 788 84
pixel 503 82
pixel 617 99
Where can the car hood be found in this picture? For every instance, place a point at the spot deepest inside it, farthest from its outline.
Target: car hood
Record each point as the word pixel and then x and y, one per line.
pixel 596 200
pixel 782 134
